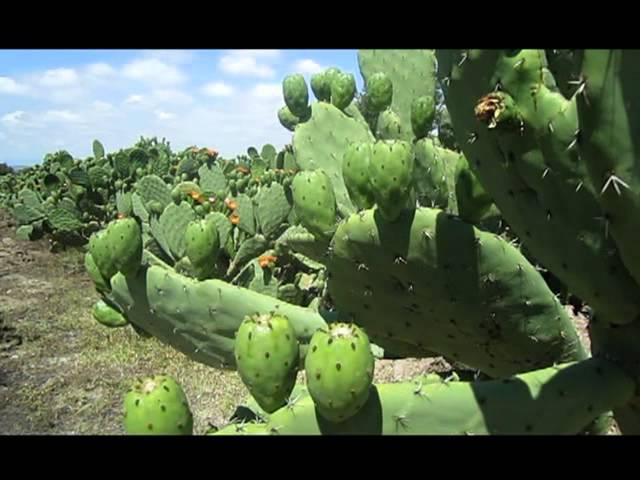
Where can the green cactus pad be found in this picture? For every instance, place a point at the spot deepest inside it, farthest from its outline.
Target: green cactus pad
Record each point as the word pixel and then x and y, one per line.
pixel 533 171
pixel 558 400
pixel 199 319
pixel 432 281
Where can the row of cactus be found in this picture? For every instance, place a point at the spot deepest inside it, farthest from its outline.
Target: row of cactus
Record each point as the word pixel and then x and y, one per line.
pixel 425 251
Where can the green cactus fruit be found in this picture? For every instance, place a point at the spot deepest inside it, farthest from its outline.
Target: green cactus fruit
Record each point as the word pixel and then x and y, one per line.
pixel 101 284
pixel 339 367
pixel 287 119
pixel 202 244
pixel 296 94
pixel 107 315
pixel 355 171
pixel 315 202
pixel 388 126
pixel 100 251
pixel 423 111
pixel 343 89
pixel 155 206
pixel 321 86
pixel 379 92
pixel 125 242
pixel 391 175
pixel 267 354
pixel 157 406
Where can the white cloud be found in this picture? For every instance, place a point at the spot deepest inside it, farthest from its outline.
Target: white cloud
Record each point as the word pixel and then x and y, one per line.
pixel 9 86
pixel 101 106
pixel 171 96
pixel 244 62
pixel 58 77
pixel 267 90
pixel 153 71
pixel 217 89
pixel 172 56
pixel 307 66
pixel 134 99
pixel 61 116
pixel 12 118
pixel 100 69
pixel 164 115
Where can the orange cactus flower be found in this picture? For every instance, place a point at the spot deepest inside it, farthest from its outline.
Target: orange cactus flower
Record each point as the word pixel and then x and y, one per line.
pixel 121 215
pixel 235 218
pixel 266 260
pixel 211 152
pixel 229 202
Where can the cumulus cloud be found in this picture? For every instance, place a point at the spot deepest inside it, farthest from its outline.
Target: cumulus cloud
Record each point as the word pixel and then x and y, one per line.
pixel 217 89
pixel 58 77
pixel 61 116
pixel 267 90
pixel 161 115
pixel 172 56
pixel 171 96
pixel 12 118
pixel 153 71
pixel 134 99
pixel 9 86
pixel 100 69
pixel 245 62
pixel 307 66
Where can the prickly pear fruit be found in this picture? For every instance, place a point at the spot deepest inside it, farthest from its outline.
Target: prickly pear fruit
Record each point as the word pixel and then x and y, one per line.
pixel 157 406
pixel 343 89
pixel 321 86
pixel 101 254
pixel 339 367
pixel 107 316
pixel 423 111
pixel 379 92
pixel 331 74
pixel 389 126
pixel 391 175
pixel 125 240
pixel 315 202
pixel 202 244
pixel 101 284
pixel 296 94
pixel 267 356
pixel 355 171
pixel 287 119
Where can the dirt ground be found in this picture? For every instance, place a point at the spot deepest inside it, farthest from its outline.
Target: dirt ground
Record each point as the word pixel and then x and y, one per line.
pixel 62 373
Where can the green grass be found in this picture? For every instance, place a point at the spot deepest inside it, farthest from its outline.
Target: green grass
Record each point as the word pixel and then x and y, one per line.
pixel 70 373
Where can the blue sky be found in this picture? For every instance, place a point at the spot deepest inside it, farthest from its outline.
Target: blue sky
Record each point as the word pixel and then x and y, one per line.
pixel 225 99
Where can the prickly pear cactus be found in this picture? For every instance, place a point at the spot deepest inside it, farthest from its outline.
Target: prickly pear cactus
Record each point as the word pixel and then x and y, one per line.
pixel 157 406
pixel 267 355
pixel 412 74
pixel 339 367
